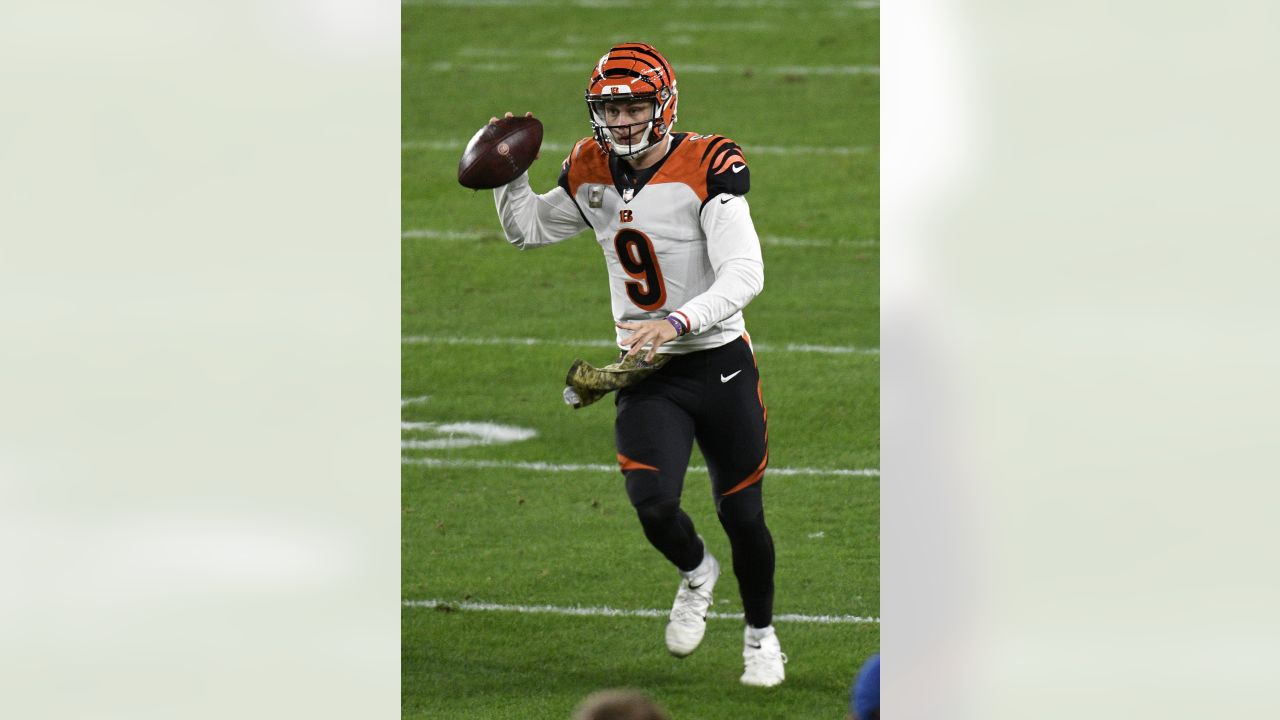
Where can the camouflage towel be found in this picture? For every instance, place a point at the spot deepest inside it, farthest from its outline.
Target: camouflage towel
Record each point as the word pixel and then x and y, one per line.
pixel 587 384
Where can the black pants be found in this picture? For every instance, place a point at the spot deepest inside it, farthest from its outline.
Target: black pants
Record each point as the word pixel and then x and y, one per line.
pixel 713 397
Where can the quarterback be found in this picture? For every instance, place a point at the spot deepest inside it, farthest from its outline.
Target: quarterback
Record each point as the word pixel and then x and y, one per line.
pixel 671 217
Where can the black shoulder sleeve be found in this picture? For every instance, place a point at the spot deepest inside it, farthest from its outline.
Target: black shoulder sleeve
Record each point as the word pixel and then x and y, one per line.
pixel 563 182
pixel 564 177
pixel 727 171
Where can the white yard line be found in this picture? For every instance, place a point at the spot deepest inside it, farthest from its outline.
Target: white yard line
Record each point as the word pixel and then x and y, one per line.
pixel 454 145
pixel 723 27
pixel 444 66
pixel 426 234
pixel 615 612
pixel 523 53
pixel 818 242
pixel 463 434
pixel 602 468
pixel 777 240
pixel 825 349
pixel 526 342
pixel 806 149
pixel 629 4
pixel 516 342
pixel 598 4
pixel 819 70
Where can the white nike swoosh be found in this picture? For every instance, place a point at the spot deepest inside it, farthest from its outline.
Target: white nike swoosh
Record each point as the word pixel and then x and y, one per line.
pixel 738 168
pixel 724 378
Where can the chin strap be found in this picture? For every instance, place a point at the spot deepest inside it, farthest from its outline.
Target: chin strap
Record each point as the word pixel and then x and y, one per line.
pixel 613 144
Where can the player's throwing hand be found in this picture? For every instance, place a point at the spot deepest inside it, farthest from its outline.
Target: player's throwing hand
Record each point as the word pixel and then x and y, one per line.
pixel 493 120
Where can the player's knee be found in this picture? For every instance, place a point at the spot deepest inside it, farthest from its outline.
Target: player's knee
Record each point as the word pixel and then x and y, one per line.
pixel 741 509
pixel 657 513
pixel 645 487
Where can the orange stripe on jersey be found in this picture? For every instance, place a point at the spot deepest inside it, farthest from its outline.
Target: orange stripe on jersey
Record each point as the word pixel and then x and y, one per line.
pixel 629 464
pixel 752 479
pixel 715 144
pixel 728 160
pixel 688 163
pixel 685 165
pixel 588 164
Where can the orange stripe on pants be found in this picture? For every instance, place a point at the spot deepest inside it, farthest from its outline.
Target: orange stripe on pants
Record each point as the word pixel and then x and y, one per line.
pixel 629 464
pixel 752 479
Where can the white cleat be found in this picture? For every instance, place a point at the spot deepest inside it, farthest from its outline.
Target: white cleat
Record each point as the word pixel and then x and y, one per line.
pixel 763 658
pixel 689 612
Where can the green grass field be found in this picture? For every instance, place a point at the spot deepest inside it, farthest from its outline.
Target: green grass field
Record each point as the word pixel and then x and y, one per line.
pixel 544 521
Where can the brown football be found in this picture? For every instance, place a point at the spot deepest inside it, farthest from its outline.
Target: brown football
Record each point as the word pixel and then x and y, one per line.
pixel 499 152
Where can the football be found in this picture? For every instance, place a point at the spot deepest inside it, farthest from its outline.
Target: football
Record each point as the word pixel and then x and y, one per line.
pixel 499 152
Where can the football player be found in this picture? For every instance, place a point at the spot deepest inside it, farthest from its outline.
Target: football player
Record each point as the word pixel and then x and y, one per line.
pixel 670 213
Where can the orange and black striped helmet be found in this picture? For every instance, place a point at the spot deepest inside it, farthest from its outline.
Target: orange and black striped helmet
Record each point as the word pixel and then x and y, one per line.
pixel 632 72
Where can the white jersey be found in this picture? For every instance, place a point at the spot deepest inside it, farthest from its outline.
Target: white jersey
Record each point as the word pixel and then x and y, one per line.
pixel 677 237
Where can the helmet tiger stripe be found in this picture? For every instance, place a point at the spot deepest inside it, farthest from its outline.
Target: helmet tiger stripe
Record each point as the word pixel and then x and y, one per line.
pixel 632 72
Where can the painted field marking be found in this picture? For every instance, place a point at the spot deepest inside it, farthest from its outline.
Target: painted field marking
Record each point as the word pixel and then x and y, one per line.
pixel 516 342
pixel 615 612
pixel 426 234
pixel 777 240
pixel 446 66
pixel 595 4
pixel 456 146
pixel 527 342
pixel 463 434
pixel 819 70
pixel 624 4
pixel 414 400
pixel 781 241
pixel 726 27
pixel 484 52
pixel 806 150
pixel 601 468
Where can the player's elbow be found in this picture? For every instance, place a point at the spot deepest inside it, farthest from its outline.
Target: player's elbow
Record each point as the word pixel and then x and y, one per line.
pixel 515 238
pixel 745 279
pixel 520 235
pixel 753 279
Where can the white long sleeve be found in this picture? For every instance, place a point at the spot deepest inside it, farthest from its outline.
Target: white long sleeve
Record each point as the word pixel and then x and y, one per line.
pixel 530 220
pixel 733 248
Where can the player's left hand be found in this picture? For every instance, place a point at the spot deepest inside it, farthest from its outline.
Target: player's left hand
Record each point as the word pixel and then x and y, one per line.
pixel 647 332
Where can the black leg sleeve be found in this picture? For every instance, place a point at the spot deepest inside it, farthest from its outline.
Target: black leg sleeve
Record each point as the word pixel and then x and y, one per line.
pixel 742 516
